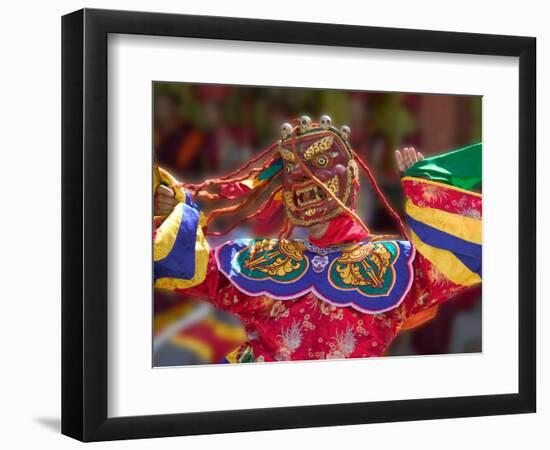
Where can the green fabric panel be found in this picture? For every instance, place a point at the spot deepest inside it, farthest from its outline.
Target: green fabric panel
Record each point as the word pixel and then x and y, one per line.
pixel 460 168
pixel 271 170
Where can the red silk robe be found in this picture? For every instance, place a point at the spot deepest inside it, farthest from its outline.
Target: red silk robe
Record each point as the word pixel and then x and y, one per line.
pixel 310 328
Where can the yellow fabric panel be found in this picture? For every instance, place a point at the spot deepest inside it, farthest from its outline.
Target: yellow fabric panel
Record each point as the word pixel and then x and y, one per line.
pixel 232 356
pixel 202 253
pixel 171 182
pixel 156 177
pixel 166 318
pixel 442 185
pixel 252 183
pixel 420 318
pixel 463 227
pixel 230 332
pixel 195 345
pixel 167 233
pixel 447 263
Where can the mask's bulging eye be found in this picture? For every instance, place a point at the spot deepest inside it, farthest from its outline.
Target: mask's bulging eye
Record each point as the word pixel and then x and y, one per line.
pixel 322 161
pixel 288 168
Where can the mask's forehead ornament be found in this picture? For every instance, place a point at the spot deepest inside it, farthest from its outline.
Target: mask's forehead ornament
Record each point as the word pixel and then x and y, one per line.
pixel 307 131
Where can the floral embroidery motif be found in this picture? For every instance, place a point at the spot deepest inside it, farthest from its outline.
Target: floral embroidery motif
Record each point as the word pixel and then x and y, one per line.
pixel 436 277
pixel 278 309
pixel 344 344
pixel 471 212
pixel 432 193
pixel 291 339
pixel 321 306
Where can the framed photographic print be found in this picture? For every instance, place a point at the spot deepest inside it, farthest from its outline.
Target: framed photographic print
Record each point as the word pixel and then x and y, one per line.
pixel 273 224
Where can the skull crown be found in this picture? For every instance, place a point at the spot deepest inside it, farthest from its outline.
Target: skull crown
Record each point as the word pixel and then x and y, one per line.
pixel 305 123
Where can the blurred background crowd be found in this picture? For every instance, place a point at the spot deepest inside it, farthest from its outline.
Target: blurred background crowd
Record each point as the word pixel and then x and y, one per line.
pixel 201 131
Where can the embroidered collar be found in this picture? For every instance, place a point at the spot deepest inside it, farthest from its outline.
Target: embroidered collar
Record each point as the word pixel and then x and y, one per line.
pixel 371 277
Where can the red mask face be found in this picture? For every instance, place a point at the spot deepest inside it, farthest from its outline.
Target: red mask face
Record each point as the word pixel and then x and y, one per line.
pixel 327 155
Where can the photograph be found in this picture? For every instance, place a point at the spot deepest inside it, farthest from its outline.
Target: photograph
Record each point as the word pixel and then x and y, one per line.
pixel 301 224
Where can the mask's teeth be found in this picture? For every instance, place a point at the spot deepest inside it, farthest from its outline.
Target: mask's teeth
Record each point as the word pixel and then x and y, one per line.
pixel 321 194
pixel 307 195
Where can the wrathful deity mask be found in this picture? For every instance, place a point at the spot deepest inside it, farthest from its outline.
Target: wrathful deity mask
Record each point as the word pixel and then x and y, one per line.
pixel 324 150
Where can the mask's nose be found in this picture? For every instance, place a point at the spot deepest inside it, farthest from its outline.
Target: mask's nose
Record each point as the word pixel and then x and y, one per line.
pixel 297 174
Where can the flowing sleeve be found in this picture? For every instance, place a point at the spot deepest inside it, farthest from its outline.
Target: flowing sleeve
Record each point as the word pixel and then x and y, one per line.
pixel 181 252
pixel 443 205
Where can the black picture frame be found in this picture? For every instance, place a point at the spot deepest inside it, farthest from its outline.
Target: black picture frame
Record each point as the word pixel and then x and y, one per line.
pixel 84 224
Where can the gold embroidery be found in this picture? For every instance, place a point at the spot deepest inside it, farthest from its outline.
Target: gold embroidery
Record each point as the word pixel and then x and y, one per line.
pixel 320 146
pixel 289 203
pixel 284 257
pixel 354 264
pixel 333 185
pixel 287 155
